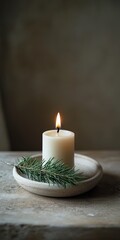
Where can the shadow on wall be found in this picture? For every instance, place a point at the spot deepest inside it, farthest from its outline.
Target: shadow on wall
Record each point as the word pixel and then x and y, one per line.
pixel 4 140
pixel 61 56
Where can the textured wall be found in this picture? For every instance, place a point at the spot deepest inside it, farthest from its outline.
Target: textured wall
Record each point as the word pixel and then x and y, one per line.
pixel 62 56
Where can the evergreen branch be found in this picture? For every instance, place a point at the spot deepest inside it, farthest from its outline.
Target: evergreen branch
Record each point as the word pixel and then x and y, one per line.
pixel 51 171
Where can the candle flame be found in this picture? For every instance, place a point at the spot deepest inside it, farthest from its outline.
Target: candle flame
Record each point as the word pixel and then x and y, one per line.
pixel 58 121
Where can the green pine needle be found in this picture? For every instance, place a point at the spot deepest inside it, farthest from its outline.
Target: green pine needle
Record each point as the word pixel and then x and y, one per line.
pixel 51 171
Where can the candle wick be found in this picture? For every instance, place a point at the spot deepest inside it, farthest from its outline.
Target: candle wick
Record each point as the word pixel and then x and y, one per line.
pixel 58 129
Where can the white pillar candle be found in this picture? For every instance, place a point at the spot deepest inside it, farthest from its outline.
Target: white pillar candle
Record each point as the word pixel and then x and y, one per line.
pixel 59 145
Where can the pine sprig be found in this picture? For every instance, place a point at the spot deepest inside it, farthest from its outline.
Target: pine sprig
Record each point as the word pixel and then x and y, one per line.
pixel 51 171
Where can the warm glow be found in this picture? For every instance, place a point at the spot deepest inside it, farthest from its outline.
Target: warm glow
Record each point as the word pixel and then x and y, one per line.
pixel 58 121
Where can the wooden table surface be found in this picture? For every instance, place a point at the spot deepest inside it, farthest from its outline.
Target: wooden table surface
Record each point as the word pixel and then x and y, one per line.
pixel 93 215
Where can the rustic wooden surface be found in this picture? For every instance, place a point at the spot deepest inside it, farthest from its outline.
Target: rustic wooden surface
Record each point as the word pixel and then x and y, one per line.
pixel 93 215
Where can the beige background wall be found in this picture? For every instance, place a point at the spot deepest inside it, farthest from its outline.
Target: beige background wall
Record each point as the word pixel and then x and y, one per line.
pixel 61 56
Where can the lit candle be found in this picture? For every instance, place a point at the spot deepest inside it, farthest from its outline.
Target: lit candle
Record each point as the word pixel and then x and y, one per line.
pixel 58 144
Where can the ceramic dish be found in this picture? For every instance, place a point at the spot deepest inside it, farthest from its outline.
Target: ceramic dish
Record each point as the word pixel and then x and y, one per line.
pixel 91 169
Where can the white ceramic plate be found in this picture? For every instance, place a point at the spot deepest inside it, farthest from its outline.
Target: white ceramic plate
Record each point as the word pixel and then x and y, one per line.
pixel 91 168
